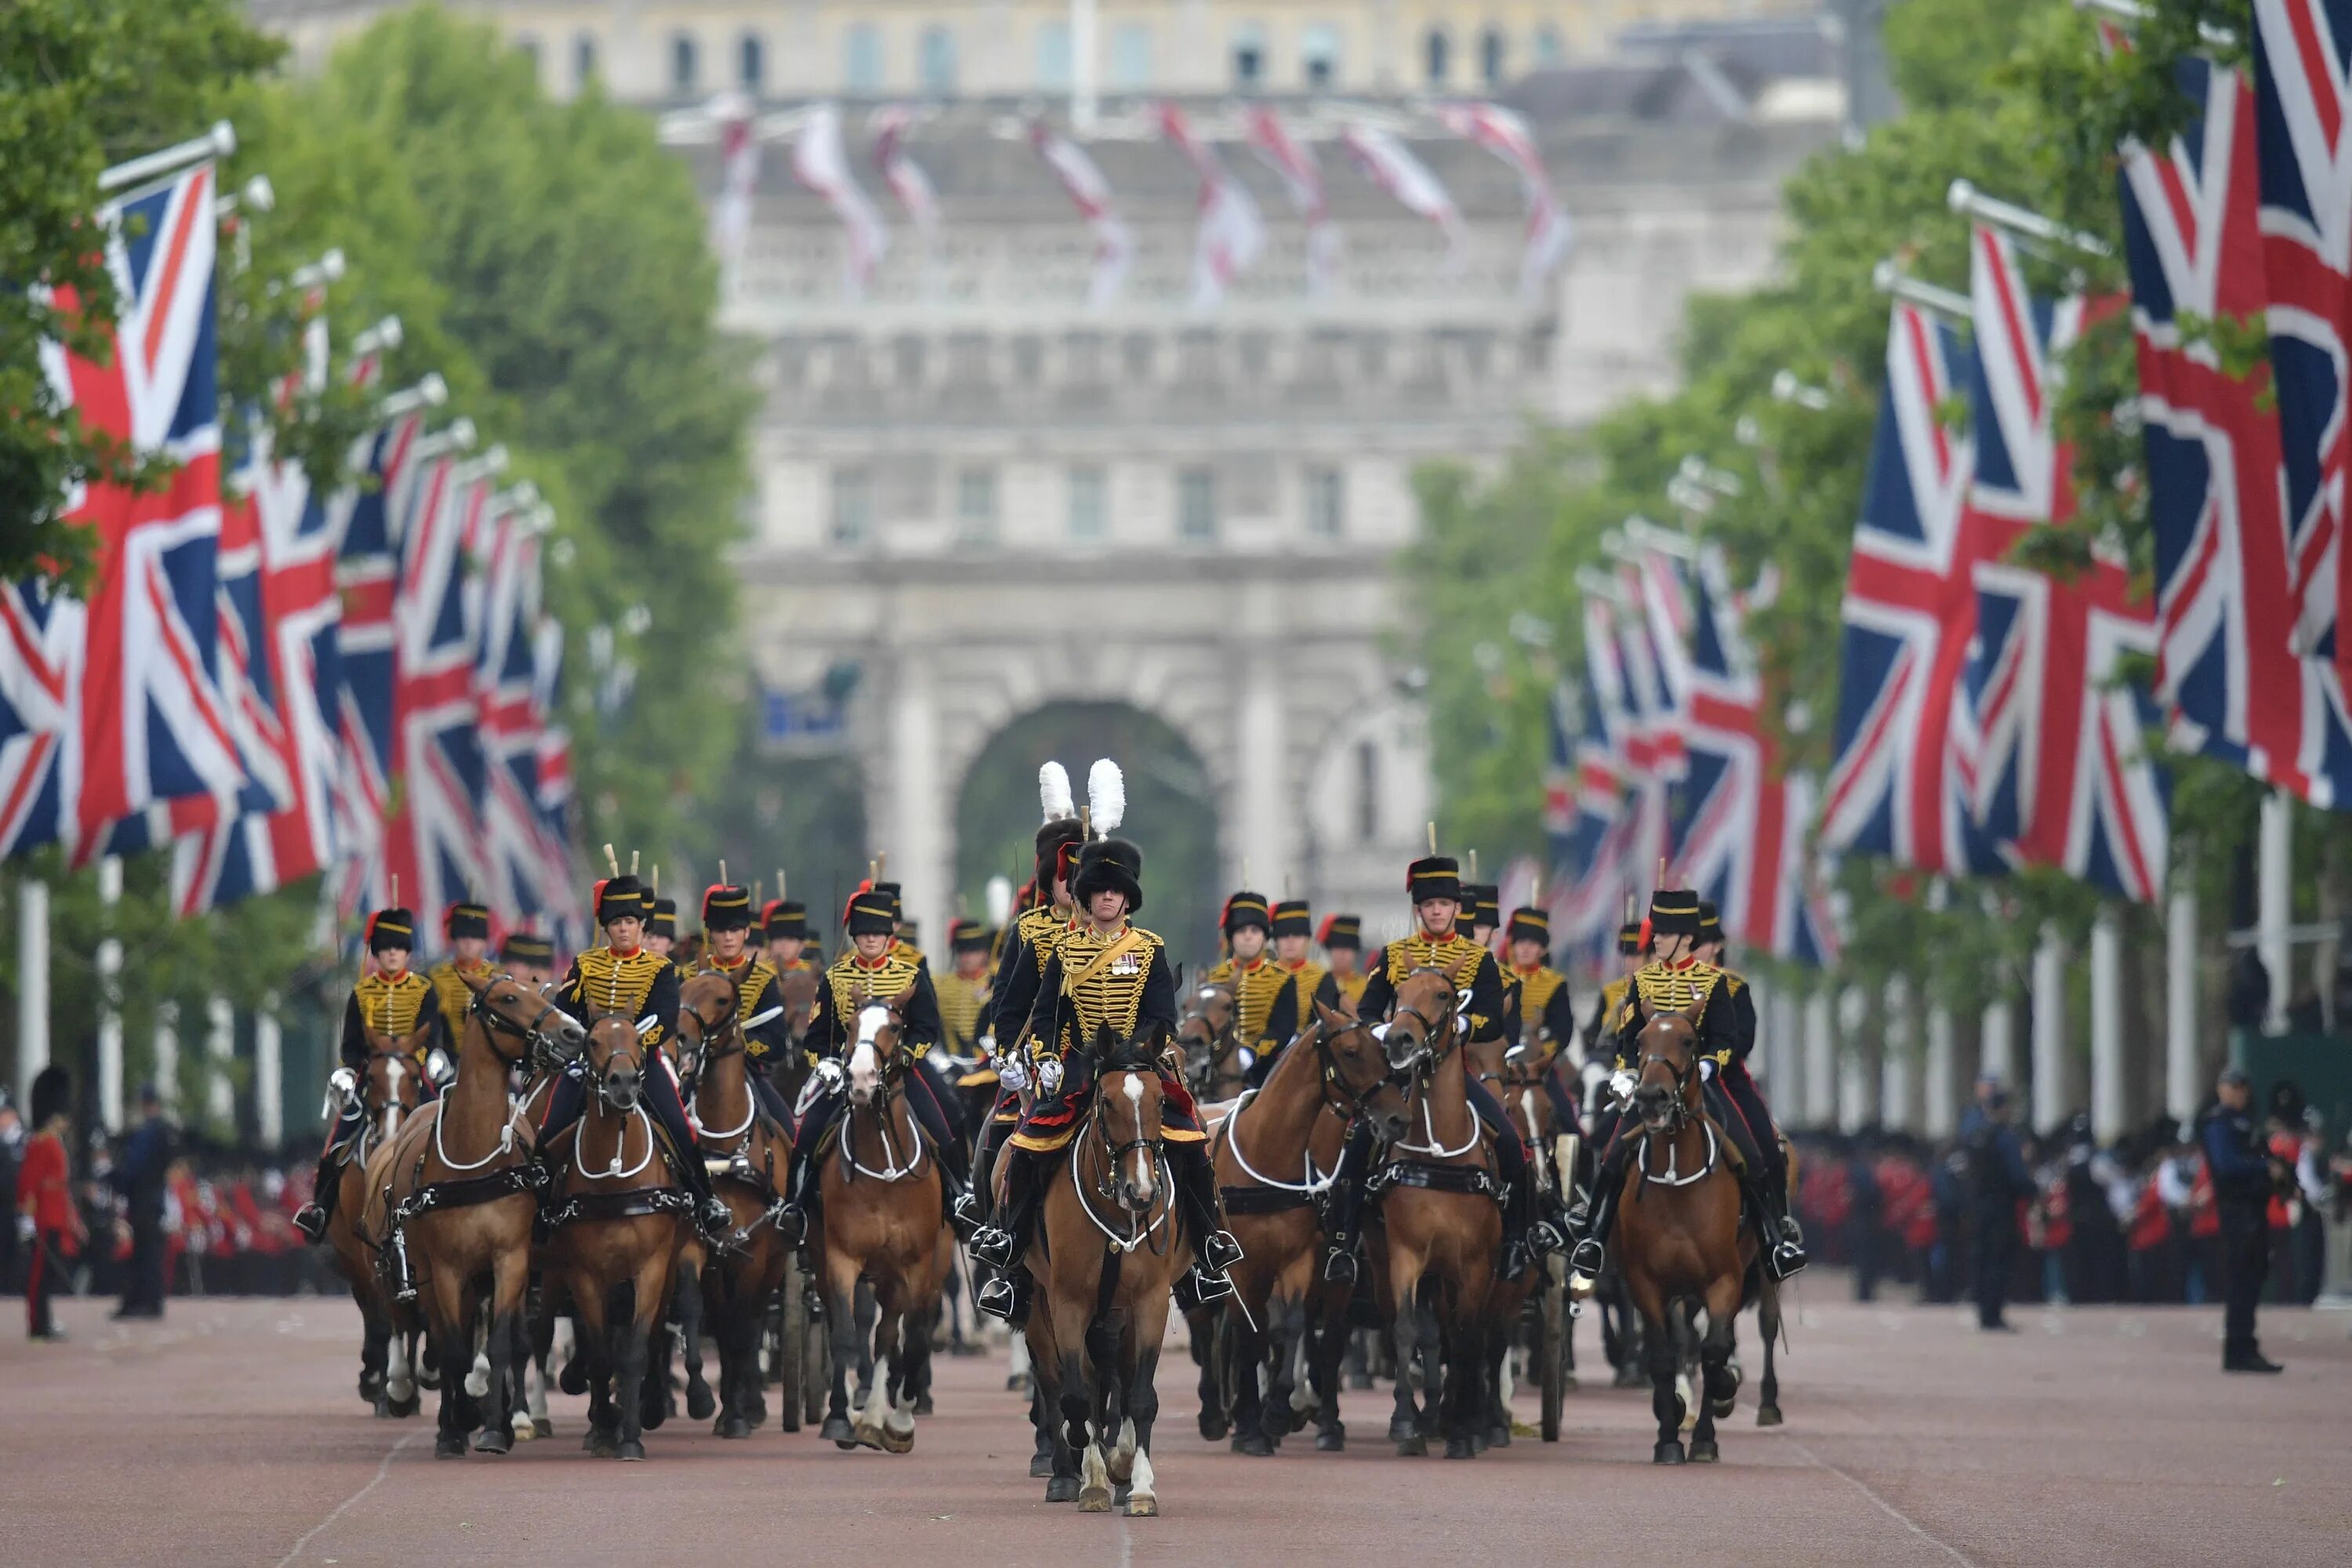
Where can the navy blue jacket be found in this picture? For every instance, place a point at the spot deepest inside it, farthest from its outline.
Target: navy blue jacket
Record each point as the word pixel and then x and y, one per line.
pixel 2234 1154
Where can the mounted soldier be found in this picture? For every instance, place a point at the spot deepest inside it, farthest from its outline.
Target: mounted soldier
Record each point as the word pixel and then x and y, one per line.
pixel 964 989
pixel 1105 978
pixel 784 923
pixel 661 931
pixel 759 1004
pixel 1434 885
pixel 529 957
pixel 1675 979
pixel 1631 952
pixel 1538 1018
pixel 396 1002
pixel 1293 933
pixel 467 926
pixel 1342 941
pixel 1265 996
pixel 627 978
pixel 877 967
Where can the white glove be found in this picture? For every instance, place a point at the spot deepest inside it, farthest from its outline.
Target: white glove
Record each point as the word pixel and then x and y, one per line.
pixel 987 1048
pixel 440 1068
pixel 1705 1069
pixel 828 1072
pixel 1014 1075
pixel 1049 1076
pixel 25 1227
pixel 344 1082
pixel 1621 1086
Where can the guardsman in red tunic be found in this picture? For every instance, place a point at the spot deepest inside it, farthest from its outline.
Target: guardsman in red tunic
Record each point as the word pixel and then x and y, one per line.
pixel 45 1196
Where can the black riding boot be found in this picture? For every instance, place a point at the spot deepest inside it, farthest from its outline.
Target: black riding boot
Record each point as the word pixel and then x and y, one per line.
pixel 1780 1241
pixel 1001 1244
pixel 1216 1250
pixel 1589 1255
pixel 800 1170
pixel 1343 1207
pixel 313 1218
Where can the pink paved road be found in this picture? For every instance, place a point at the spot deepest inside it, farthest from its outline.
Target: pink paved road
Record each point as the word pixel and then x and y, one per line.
pixel 230 1433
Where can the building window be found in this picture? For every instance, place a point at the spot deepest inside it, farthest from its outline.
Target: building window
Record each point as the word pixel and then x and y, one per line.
pixel 1319 57
pixel 1090 505
pixel 1492 49
pixel 1548 50
pixel 750 64
pixel 584 60
pixel 1196 506
pixel 861 65
pixel 682 64
pixel 1367 791
pixel 939 62
pixel 1436 50
pixel 853 506
pixel 1130 56
pixel 976 506
pixel 1327 503
pixel 1053 57
pixel 1249 57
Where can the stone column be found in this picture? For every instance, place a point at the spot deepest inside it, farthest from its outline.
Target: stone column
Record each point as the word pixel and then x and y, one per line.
pixel 1899 1066
pixel 268 1074
pixel 1260 802
pixel 2050 1105
pixel 1858 1085
pixel 2275 903
pixel 1821 1060
pixel 918 824
pixel 1941 1068
pixel 110 992
pixel 2182 1091
pixel 2109 1092
pixel 32 990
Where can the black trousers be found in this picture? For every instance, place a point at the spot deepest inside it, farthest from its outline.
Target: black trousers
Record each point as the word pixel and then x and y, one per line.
pixel 1996 1247
pixel 2245 1264
pixel 142 1280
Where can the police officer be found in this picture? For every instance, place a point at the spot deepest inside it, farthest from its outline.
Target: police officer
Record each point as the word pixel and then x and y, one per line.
pixel 140 1178
pixel 2244 1177
pixel 2000 1178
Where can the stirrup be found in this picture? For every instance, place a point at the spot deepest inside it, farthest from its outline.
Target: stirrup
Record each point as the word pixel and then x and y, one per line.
pixel 998 1299
pixel 964 1213
pixel 1220 1251
pixel 1209 1286
pixel 311 1220
pixel 1339 1265
pixel 995 1245
pixel 1588 1257
pixel 791 1224
pixel 1516 1259
pixel 1544 1238
pixel 1785 1259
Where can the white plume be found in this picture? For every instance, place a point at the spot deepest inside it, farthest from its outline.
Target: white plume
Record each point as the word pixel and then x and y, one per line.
pixel 1106 795
pixel 1000 900
pixel 1053 792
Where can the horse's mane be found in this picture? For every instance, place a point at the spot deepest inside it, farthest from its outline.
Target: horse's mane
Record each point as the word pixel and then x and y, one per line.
pixel 1131 1053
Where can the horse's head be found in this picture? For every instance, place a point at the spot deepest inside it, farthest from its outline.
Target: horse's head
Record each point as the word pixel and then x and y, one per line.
pixel 1356 1074
pixel 1205 1032
pixel 708 1012
pixel 875 1058
pixel 1126 1116
pixel 798 990
pixel 616 1061
pixel 1420 1026
pixel 1667 1090
pixel 393 1085
pixel 521 1019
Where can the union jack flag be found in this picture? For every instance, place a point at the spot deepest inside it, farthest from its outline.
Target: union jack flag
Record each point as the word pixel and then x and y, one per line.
pixel 1585 804
pixel 2062 772
pixel 366 573
pixel 506 695
pixel 1904 771
pixel 113 707
pixel 2227 673
pixel 1655 758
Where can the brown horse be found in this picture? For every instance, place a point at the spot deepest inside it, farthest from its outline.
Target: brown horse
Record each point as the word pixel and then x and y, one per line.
pixel 1209 1035
pixel 619 1221
pixel 746 1154
pixel 883 1206
pixel 1109 1249
pixel 1442 1219
pixel 1273 1157
pixel 450 1206
pixel 389 1088
pixel 1515 1074
pixel 1679 1243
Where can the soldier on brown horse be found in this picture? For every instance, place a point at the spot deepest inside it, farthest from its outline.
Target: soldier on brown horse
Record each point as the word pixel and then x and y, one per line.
pixel 385 1091
pixel 1215 1068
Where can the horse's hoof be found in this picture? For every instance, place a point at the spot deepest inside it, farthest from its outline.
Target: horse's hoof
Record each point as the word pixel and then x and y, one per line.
pixel 1499 1435
pixel 1461 1448
pixel 402 1409
pixel 836 1429
pixel 1120 1495
pixel 1256 1445
pixel 758 1413
pixel 1062 1488
pixel 700 1403
pixel 542 1426
pixel 1478 1443
pixel 1213 1427
pixel 732 1426
pixel 923 1402
pixel 1400 1428
pixel 1669 1452
pixel 447 1447
pixel 629 1449
pixel 1413 1448
pixel 1703 1453
pixel 1146 1506
pixel 371 1384
pixel 1768 1415
pixel 574 1378
pixel 1720 1409
pixel 1041 1468
pixel 1094 1499
pixel 490 1440
pixel 600 1444
pixel 1332 1440
pixel 894 1442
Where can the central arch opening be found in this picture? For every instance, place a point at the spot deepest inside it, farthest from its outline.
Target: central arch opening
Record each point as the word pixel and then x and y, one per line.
pixel 1170 812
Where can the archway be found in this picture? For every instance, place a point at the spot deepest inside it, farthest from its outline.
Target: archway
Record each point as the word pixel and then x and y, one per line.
pixel 1170 811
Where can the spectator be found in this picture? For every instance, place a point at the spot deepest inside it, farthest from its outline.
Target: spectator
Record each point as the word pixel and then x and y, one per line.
pixel 2000 1181
pixel 140 1180
pixel 2244 1177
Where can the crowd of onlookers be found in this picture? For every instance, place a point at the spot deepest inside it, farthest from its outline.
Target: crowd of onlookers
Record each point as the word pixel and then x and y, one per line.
pixel 2131 1221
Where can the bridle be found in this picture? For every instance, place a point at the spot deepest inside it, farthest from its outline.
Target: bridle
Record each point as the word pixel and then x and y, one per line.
pixel 547 1050
pixel 1142 1230
pixel 715 1039
pixel 1216 1043
pixel 1349 1104
pixel 1437 1040
pixel 1685 1077
pixel 633 1055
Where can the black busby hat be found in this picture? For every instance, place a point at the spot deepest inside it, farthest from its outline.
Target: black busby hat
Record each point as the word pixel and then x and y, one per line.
pixel 1531 923
pixel 1293 917
pixel 868 914
pixel 528 947
pixel 1433 877
pixel 663 921
pixel 967 936
pixel 1342 931
pixel 726 907
pixel 1465 913
pixel 1109 864
pixel 391 928
pixel 465 919
pixel 1629 938
pixel 1485 901
pixel 1674 911
pixel 892 892
pixel 1710 921
pixel 1246 908
pixel 620 898
pixel 52 1094
pixel 784 919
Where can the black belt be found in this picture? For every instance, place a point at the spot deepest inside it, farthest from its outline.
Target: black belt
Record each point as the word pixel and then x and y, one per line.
pixel 629 1204
pixel 465 1191
pixel 1261 1200
pixel 1470 1179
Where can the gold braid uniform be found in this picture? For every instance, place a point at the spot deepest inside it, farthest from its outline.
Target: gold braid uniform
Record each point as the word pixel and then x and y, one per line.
pixel 1352 987
pixel 455 996
pixel 1456 957
pixel 961 1001
pixel 1660 987
pixel 1087 998
pixel 851 975
pixel 1257 995
pixel 393 1006
pixel 603 980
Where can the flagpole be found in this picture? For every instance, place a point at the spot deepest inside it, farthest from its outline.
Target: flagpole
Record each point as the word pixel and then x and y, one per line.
pixel 32 985
pixel 110 997
pixel 217 143
pixel 1083 102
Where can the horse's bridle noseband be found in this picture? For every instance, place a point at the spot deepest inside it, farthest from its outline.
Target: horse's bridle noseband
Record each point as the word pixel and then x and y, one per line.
pixel 1683 1074
pixel 542 1047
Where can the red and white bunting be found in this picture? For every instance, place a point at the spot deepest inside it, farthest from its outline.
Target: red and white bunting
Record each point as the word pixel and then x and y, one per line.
pixel 1231 234
pixel 904 177
pixel 1388 164
pixel 819 162
pixel 1302 181
pixel 1504 134
pixel 1090 194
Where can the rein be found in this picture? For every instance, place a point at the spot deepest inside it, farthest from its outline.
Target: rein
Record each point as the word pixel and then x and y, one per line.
pixel 890 1087
pixel 1439 1044
pixel 1678 1117
pixel 1143 1230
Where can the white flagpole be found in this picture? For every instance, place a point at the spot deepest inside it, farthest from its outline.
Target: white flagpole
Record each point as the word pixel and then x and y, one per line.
pixel 1083 102
pixel 32 986
pixel 109 1013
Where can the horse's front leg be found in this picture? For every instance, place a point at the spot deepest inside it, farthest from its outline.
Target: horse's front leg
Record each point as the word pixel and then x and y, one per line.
pixel 1658 1343
pixel 699 1401
pixel 842 1330
pixel 1404 1424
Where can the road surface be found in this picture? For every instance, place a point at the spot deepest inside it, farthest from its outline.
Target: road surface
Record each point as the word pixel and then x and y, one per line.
pixel 231 1434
